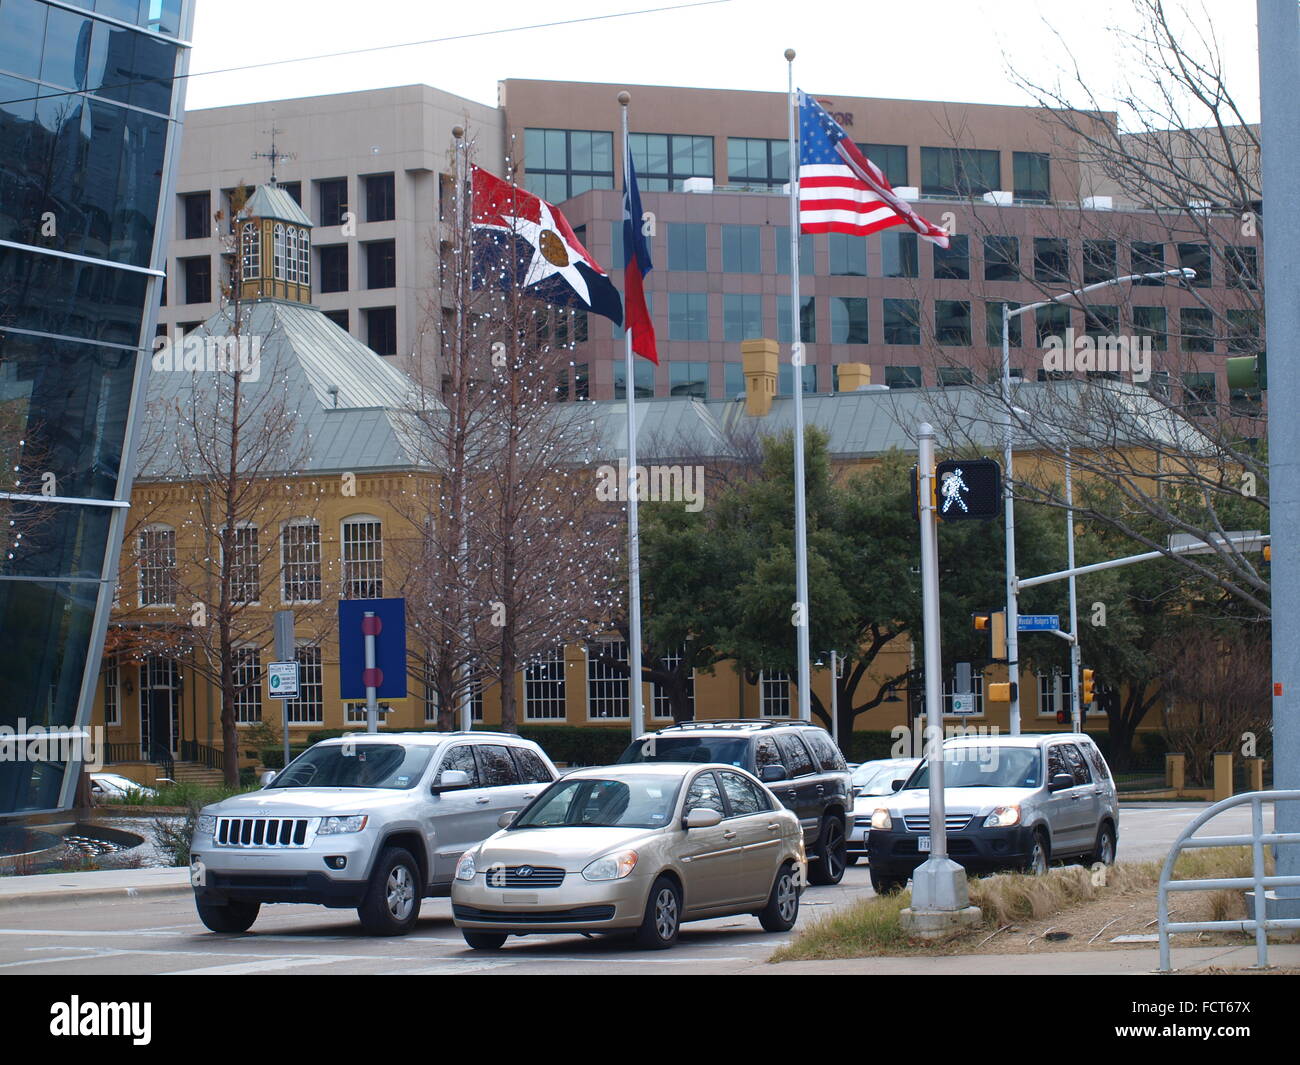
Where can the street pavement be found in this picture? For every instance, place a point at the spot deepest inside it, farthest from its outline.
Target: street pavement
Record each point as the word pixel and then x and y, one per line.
pixel 143 922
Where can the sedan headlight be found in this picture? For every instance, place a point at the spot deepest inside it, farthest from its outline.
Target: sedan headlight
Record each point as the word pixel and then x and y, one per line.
pixel 881 820
pixel 465 869
pixel 333 826
pixel 611 867
pixel 1003 817
pixel 205 825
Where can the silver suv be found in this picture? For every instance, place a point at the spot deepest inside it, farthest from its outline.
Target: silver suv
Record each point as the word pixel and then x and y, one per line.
pixel 1011 802
pixel 375 822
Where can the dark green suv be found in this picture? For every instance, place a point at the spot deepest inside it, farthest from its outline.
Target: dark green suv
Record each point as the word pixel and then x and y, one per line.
pixel 796 759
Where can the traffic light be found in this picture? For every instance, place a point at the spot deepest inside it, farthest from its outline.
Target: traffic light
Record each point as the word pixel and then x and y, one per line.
pixel 995 624
pixel 1268 552
pixel 969 489
pixel 1000 692
pixel 1089 687
pixel 1062 717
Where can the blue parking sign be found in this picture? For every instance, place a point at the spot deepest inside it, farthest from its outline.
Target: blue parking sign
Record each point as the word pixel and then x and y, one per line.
pixel 390 647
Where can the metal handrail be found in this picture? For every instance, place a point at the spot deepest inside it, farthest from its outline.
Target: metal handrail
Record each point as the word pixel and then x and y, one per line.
pixel 1261 925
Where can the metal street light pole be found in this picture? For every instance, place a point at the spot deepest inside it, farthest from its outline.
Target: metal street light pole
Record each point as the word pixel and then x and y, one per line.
pixel 1013 599
pixel 1076 708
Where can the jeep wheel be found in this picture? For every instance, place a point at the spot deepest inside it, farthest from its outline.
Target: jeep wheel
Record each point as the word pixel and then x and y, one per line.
pixel 1036 863
pixel 832 845
pixel 483 940
pixel 235 915
pixel 1104 852
pixel 663 916
pixel 392 902
pixel 887 885
pixel 782 909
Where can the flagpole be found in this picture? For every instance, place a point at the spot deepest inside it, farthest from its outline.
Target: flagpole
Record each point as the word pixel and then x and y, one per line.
pixel 800 612
pixel 633 534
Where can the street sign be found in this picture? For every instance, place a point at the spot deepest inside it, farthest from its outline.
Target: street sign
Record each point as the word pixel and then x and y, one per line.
pixel 963 703
pixel 390 648
pixel 1038 622
pixel 282 679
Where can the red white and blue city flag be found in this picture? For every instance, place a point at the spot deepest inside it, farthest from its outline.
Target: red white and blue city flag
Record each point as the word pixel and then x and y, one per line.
pixel 521 240
pixel 840 189
pixel 636 264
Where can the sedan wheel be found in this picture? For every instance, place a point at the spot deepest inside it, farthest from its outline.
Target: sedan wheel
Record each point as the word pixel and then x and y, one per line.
pixel 782 909
pixel 1037 863
pixel 663 916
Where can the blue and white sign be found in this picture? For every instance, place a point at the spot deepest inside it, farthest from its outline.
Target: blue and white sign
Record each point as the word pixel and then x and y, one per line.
pixel 390 647
pixel 1038 622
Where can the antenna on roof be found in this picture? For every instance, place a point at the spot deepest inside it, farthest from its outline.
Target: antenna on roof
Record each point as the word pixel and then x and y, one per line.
pixel 334 392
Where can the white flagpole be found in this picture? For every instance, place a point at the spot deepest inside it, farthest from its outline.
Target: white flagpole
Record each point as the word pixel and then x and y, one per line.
pixel 633 534
pixel 800 612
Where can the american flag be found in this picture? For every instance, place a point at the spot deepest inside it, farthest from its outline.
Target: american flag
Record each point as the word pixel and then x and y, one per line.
pixel 840 189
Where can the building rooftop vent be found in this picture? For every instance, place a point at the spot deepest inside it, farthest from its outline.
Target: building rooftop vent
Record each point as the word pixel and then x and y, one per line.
pixel 698 184
pixel 999 197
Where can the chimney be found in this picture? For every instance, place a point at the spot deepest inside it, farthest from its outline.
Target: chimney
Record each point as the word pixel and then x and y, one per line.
pixel 759 359
pixel 854 375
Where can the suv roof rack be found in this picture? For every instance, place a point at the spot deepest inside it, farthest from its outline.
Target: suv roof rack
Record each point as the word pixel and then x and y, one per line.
pixel 738 723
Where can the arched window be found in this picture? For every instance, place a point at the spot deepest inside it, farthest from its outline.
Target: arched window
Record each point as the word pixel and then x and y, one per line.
pixel 300 560
pixel 291 253
pixel 279 252
pixel 363 557
pixel 252 251
pixel 304 257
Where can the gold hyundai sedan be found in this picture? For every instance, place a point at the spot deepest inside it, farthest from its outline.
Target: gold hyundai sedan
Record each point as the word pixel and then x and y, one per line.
pixel 640 848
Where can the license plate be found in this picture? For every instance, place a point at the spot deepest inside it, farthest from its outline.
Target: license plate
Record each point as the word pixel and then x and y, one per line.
pixel 923 844
pixel 525 900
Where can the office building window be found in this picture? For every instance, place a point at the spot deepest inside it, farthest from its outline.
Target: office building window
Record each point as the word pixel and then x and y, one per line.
pixel 1001 258
pixel 848 320
pixel 807 252
pixel 785 379
pixel 1101 320
pixel 1197 327
pixel 381 198
pixel 891 158
pixel 664 160
pixel 381 264
pixel 952 323
pixel 733 379
pixel 248 685
pixel 1030 176
pixel 332 196
pixel 309 707
pixel 807 319
pixel 740 250
pixel 1051 321
pixel 544 688
pixel 660 705
pixel 363 558
pixel 198 279
pixel 848 254
pixel 899 256
pixel 1243 331
pixel 902 321
pixel 294 189
pixel 1196 257
pixel 688 316
pixel 1100 261
pixel 959 172
pixel 300 561
pixel 742 316
pixel 643 379
pixel 953 262
pixel 955 375
pixel 1051 259
pixel 112 699
pixel 1242 266
pixel 687 246
pixel 774 689
pixel 993 325
pixel 245 565
pixel 1152 322
pixel 333 268
pixel 1147 258
pixel 339 318
pixel 581 381
pixel 1199 393
pixel 381 330
pixel 198 215
pixel 757 162
pixel 561 163
pixel 157 561
pixel 607 687
pixel 903 376
pixel 688 379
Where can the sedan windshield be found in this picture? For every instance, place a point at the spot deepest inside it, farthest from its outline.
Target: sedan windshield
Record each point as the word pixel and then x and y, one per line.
pixel 876 780
pixel 361 765
pixel 727 750
pixel 637 802
pixel 984 767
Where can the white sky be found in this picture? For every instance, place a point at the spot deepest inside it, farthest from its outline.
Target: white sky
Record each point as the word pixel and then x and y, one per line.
pixel 919 49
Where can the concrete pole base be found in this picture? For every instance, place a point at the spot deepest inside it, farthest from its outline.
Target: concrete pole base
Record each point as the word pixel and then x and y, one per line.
pixel 935 924
pixel 940 901
pixel 1275 906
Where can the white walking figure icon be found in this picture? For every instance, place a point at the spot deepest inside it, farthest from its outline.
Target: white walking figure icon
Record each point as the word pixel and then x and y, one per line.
pixel 952 487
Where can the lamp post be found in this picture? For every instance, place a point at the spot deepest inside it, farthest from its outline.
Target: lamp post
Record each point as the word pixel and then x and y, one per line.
pixel 1013 598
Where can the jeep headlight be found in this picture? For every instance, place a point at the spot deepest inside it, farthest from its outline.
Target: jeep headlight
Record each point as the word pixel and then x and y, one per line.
pixel 880 819
pixel 611 867
pixel 333 826
pixel 205 825
pixel 465 869
pixel 1003 817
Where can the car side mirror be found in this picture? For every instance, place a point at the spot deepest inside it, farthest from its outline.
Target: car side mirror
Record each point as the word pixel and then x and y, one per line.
pixel 450 780
pixel 701 817
pixel 266 778
pixel 897 785
pixel 771 773
pixel 1060 781
pixel 504 820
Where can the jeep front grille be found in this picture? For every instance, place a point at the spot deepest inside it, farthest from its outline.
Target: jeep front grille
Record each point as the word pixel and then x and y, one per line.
pixel 262 831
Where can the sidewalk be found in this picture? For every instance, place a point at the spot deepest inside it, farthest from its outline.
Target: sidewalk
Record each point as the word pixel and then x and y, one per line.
pixel 62 889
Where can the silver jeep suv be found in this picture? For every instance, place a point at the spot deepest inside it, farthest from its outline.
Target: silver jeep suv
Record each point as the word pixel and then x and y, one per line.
pixel 1011 802
pixel 375 822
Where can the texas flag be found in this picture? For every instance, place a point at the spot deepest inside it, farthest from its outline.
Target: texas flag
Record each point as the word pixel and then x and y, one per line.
pixel 636 264
pixel 521 240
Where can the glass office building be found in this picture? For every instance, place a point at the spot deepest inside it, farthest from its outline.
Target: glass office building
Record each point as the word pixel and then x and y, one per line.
pixel 91 101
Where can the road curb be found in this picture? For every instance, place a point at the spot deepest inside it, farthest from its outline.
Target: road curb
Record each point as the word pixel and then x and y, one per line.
pixel 57 897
